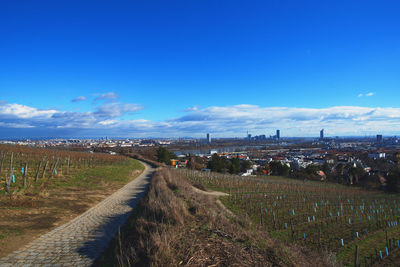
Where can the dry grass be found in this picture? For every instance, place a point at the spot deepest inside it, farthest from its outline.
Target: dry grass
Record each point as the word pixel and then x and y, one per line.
pixel 175 225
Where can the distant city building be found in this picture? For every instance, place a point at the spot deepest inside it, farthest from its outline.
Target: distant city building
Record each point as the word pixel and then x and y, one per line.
pixel 379 155
pixel 209 138
pixel 379 138
pixel 321 134
pixel 259 137
pixel 249 137
pixel 213 151
pixel 278 134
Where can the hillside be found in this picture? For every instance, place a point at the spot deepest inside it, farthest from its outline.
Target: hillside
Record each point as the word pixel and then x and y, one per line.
pixel 46 188
pixel 177 224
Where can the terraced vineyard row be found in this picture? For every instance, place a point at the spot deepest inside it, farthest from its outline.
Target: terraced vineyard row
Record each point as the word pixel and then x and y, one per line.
pixel 361 227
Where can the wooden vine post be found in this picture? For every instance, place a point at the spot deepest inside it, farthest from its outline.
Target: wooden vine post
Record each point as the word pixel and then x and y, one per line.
pixel 25 172
pixel 356 257
pixel 319 239
pixel 44 169
pixel 38 171
pixel 2 162
pixel 54 167
pixel 7 187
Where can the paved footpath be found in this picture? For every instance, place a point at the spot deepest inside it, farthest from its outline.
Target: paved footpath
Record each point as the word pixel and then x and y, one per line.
pixel 80 241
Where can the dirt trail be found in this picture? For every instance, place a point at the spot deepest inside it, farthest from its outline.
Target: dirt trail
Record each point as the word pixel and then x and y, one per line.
pixel 216 194
pixel 210 193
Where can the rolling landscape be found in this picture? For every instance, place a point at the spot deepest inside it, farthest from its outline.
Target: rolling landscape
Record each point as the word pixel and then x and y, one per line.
pixel 199 133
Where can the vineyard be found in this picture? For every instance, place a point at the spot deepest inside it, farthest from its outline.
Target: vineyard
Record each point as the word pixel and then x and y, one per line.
pixel 26 167
pixel 43 188
pixel 360 227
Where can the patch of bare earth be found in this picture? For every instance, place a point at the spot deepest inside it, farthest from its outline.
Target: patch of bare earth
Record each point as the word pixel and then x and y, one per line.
pixel 179 225
pixel 26 217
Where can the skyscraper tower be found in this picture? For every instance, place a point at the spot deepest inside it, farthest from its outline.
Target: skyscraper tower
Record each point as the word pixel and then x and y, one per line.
pixel 379 138
pixel 209 138
pixel 278 134
pixel 321 134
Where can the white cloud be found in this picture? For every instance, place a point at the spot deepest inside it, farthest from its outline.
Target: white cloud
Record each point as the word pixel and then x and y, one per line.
pixel 194 108
pixel 22 116
pixel 115 109
pixel 79 98
pixel 107 96
pixel 107 122
pixel 367 94
pixel 23 112
pixel 15 125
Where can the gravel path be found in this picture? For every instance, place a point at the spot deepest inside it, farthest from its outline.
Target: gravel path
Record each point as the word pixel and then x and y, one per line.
pixel 80 241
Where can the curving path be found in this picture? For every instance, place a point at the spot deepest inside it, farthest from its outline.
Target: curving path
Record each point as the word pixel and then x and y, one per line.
pixel 80 241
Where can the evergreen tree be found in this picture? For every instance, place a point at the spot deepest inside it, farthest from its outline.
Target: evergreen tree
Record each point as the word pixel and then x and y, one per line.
pixel 235 166
pixel 164 155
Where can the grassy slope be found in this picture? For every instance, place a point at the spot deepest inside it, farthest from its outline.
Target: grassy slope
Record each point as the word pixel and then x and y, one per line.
pixel 94 177
pixel 174 225
pixel 366 245
pixel 52 201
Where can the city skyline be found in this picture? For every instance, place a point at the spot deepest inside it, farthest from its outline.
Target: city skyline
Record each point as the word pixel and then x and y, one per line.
pixel 141 69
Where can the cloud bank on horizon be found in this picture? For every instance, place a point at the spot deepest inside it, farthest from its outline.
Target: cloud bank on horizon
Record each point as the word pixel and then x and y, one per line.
pixel 113 118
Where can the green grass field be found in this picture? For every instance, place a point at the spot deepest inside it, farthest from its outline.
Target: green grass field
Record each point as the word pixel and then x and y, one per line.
pixel 94 177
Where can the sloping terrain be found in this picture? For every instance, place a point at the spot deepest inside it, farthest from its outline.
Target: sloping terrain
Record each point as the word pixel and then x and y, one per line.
pixel 176 224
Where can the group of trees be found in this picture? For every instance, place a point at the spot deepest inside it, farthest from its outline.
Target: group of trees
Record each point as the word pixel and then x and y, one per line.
pixel 340 173
pixel 223 164
pixel 277 168
pixel 393 180
pixel 164 155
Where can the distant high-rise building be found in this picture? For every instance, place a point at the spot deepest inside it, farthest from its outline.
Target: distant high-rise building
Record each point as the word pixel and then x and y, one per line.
pixel 321 134
pixel 379 138
pixel 248 136
pixel 278 134
pixel 261 137
pixel 209 138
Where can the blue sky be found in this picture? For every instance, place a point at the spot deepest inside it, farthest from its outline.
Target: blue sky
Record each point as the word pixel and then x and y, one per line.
pixel 184 68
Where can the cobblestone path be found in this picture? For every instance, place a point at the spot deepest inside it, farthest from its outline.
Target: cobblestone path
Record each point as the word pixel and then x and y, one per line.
pixel 80 241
